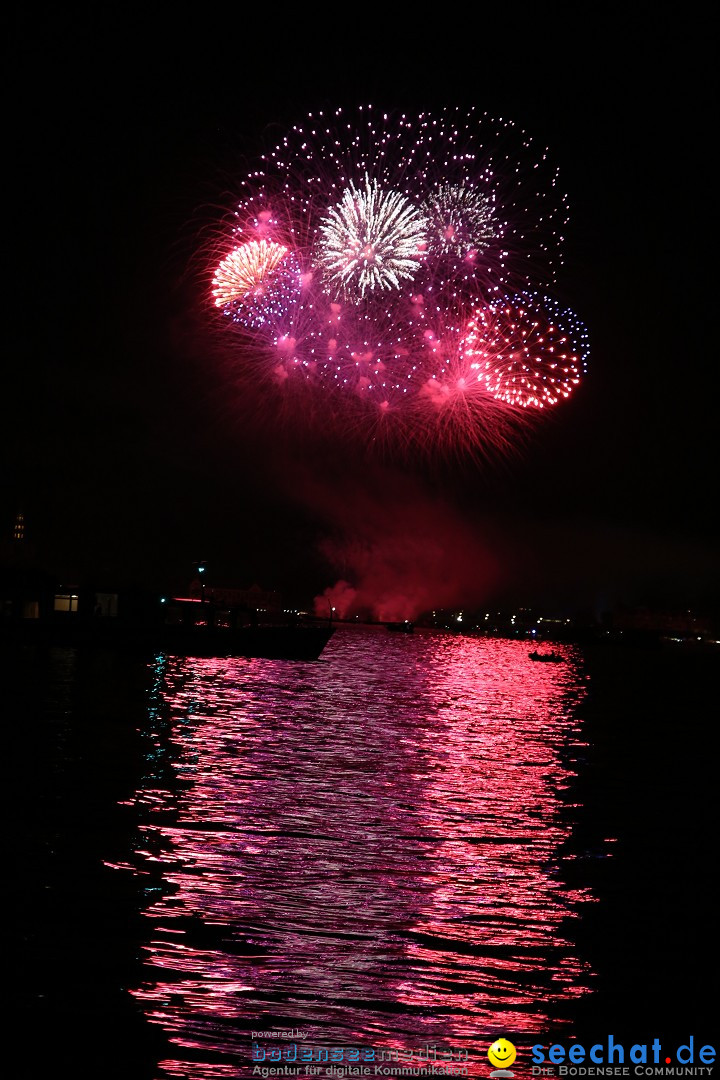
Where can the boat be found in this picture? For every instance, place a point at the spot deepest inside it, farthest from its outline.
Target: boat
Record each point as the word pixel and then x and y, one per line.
pixel 404 627
pixel 260 642
pixel 546 658
pixel 185 627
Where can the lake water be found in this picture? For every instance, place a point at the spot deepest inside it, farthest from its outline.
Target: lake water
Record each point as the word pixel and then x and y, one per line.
pixel 417 841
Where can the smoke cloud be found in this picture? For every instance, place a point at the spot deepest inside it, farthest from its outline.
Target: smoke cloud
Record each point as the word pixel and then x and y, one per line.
pixel 398 548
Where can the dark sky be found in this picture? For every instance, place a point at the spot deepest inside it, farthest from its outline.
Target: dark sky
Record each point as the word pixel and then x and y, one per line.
pixel 125 134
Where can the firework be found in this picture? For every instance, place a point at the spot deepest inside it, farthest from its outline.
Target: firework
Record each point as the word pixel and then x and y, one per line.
pixel 256 281
pixel 478 176
pixel 396 267
pixel 245 269
pixel 526 350
pixel 460 221
pixel 373 239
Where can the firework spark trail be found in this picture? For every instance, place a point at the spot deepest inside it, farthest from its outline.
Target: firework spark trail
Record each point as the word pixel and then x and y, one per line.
pixel 256 282
pixel 527 351
pixel 460 220
pixel 397 269
pixel 373 239
pixel 245 269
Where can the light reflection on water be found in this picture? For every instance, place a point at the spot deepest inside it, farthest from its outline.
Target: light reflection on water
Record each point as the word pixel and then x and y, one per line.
pixel 368 848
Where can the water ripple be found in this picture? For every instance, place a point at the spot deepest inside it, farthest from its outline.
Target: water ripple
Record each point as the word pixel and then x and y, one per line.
pixel 368 848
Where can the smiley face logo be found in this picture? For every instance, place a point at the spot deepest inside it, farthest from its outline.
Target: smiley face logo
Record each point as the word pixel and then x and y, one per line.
pixel 502 1054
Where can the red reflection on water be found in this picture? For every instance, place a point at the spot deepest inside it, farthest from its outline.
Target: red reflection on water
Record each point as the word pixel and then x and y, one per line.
pixel 497 804
pixel 366 848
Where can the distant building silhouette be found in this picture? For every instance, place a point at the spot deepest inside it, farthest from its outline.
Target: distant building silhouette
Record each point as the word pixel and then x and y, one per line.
pixel 19 527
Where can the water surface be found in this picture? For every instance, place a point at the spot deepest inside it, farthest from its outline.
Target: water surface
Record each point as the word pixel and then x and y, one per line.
pixel 417 840
pixel 369 848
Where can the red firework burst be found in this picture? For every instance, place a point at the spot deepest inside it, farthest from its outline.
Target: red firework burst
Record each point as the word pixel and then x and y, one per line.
pixel 526 351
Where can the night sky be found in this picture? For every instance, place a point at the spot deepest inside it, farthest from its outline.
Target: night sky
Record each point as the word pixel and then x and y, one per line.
pixel 124 446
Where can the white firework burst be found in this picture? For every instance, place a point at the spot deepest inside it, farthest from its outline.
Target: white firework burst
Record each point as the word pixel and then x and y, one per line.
pixel 372 239
pixel 460 220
